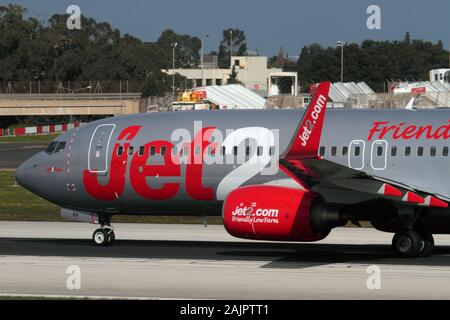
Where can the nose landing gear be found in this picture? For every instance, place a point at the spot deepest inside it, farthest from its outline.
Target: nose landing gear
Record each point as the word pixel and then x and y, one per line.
pixel 104 236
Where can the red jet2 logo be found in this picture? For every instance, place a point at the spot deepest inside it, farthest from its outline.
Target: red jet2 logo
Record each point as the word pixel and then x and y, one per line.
pixel 310 123
pixel 140 170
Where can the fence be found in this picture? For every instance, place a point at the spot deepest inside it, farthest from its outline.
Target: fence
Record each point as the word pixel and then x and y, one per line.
pixel 70 87
pixel 54 128
pixel 156 104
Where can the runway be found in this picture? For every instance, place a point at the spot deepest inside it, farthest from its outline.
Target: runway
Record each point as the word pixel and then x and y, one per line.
pixel 13 154
pixel 194 262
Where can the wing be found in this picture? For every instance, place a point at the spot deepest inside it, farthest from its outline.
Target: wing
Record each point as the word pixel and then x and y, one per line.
pixel 303 163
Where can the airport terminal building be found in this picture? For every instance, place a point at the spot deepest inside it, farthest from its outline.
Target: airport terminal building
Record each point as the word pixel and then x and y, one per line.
pixel 252 71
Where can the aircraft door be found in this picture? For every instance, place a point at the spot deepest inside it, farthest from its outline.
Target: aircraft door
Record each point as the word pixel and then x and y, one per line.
pixel 356 154
pixel 378 159
pixel 99 148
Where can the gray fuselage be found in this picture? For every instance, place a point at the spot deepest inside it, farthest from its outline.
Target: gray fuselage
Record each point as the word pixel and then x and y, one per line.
pixel 408 147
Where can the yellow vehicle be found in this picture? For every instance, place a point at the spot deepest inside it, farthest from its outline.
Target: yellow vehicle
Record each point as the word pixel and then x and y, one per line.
pixel 192 96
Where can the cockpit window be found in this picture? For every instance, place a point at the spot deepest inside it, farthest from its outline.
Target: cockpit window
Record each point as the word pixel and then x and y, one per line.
pixel 60 147
pixel 51 147
pixel 55 147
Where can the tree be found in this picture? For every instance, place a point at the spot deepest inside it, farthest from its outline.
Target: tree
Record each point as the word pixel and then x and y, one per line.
pixel 374 62
pixel 281 60
pixel 233 77
pixel 186 52
pixel 233 42
pixel 31 50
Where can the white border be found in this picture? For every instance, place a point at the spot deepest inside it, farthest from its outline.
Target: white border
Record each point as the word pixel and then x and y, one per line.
pixel 385 154
pixel 107 147
pixel 350 153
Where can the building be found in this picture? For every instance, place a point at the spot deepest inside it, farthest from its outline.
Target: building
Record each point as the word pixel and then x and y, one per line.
pixel 252 72
pixel 232 96
pixel 440 75
pixel 210 61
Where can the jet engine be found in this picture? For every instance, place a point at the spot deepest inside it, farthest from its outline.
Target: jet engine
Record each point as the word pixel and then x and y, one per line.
pixel 278 214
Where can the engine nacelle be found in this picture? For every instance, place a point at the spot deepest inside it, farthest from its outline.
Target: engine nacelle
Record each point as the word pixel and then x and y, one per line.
pixel 272 213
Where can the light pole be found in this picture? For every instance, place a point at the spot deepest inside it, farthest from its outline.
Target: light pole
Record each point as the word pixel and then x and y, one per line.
pixel 201 61
pixel 231 45
pixel 342 44
pixel 174 45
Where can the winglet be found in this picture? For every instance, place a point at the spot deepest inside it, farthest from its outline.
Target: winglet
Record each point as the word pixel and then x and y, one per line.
pixel 305 143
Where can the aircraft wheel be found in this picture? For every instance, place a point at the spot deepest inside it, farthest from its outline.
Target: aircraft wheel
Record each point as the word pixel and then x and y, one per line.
pixel 428 243
pixel 111 237
pixel 100 237
pixel 407 244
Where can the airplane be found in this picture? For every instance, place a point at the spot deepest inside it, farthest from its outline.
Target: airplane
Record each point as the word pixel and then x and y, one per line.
pixel 274 175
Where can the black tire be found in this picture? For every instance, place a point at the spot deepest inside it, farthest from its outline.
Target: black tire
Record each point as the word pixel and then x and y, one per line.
pixel 100 237
pixel 428 244
pixel 111 238
pixel 407 244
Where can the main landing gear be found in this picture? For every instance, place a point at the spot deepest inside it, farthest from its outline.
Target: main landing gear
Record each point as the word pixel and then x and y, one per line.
pixel 413 243
pixel 411 240
pixel 104 236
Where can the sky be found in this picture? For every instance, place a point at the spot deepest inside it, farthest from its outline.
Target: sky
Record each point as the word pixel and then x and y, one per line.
pixel 268 24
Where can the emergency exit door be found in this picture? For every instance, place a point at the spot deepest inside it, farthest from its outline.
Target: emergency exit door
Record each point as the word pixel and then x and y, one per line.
pixel 99 148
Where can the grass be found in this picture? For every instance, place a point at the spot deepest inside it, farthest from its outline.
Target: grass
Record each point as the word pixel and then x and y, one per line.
pixel 18 204
pixel 30 138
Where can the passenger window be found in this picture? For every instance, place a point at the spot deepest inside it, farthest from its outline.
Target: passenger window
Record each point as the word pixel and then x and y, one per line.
pixel 407 151
pixel 420 151
pixel 152 151
pixel 141 150
pixel 433 151
pixel 394 151
pixel 60 147
pixel 272 151
pixel 247 151
pixel 119 150
pixel 51 147
pixel 131 151
pixel 344 151
pixel 333 151
pixel 445 152
pixel 163 151
pixel 235 150
pixel 260 151
pixel 322 151
pixel 357 151
pixel 379 151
